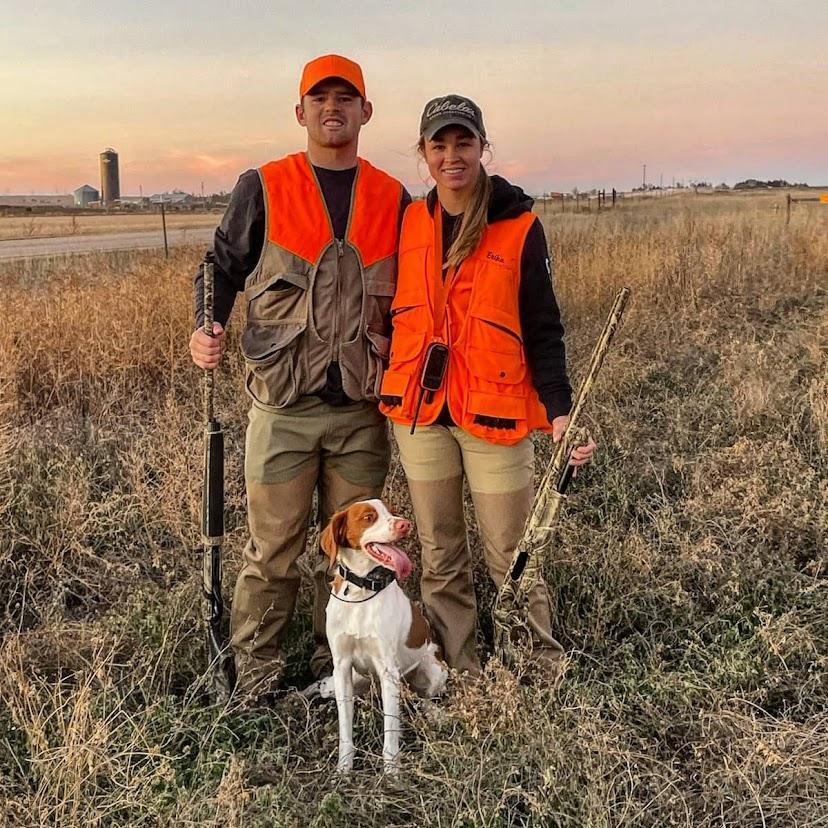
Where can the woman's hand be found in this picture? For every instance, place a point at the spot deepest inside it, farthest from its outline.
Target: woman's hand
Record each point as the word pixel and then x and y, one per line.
pixel 580 454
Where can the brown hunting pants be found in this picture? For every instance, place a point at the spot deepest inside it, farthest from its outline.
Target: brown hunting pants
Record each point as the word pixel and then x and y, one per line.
pixel 341 451
pixel 435 458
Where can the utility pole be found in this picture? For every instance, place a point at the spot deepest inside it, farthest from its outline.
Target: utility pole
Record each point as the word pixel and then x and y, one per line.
pixel 644 178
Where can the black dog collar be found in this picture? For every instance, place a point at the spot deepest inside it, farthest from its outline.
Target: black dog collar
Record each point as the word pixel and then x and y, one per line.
pixel 376 580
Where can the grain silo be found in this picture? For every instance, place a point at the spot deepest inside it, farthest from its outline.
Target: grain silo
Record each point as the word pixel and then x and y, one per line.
pixel 110 181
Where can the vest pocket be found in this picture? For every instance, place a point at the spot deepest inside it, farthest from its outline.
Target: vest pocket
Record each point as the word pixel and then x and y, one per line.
pixel 272 355
pixel 281 298
pixel 499 417
pixel 494 330
pixel 393 388
pixel 379 346
pixel 497 368
pixel 380 292
pixel 406 346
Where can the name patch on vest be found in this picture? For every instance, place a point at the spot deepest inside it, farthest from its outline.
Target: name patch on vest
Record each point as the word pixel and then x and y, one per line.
pixel 494 257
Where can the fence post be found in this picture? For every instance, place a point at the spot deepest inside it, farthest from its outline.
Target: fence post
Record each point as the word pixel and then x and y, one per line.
pixel 613 196
pixel 563 203
pixel 164 227
pixel 788 209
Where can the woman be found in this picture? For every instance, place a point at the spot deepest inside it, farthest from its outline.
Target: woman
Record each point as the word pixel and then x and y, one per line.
pixel 477 362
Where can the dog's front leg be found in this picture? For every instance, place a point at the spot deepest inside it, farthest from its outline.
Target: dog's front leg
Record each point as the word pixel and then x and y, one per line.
pixel 344 692
pixel 391 718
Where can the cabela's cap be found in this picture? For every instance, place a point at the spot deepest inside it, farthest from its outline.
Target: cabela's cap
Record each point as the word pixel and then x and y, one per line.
pixel 331 66
pixel 451 110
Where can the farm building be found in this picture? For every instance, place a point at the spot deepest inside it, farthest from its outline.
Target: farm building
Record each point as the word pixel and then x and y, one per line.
pixel 85 195
pixel 37 201
pixel 176 198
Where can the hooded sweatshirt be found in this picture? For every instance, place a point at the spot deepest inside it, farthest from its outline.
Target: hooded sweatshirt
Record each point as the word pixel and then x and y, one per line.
pixel 540 317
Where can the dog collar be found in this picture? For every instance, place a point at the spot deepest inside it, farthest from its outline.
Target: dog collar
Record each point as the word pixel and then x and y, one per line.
pixel 376 580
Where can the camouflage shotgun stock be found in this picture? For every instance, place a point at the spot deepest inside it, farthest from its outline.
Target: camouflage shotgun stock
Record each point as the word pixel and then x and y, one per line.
pixel 510 606
pixel 219 659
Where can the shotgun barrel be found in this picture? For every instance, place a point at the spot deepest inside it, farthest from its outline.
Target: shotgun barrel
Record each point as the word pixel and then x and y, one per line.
pixel 212 520
pixel 524 570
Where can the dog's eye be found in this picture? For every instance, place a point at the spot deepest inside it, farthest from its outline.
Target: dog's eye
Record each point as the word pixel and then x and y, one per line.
pixel 368 517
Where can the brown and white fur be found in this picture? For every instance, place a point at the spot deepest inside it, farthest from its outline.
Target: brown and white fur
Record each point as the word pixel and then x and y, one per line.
pixel 374 633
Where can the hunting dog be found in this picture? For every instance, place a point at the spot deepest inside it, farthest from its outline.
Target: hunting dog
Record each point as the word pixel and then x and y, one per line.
pixel 373 628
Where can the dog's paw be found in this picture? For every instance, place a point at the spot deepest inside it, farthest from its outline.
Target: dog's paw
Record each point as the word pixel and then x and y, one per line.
pixel 321 689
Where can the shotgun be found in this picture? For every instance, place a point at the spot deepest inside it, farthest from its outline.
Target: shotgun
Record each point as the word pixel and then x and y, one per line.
pixel 219 658
pixel 524 570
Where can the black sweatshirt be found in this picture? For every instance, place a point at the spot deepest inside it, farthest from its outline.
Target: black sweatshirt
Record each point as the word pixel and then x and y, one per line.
pixel 237 247
pixel 540 318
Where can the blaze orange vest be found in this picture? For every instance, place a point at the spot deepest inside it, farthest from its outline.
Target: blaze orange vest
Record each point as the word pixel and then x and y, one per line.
pixel 312 299
pixel 488 386
pixel 298 220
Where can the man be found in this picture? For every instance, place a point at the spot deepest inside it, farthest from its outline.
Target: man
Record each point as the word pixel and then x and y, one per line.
pixel 311 241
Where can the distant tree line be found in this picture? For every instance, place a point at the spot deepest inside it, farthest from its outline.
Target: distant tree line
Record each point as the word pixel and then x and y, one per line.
pixel 756 184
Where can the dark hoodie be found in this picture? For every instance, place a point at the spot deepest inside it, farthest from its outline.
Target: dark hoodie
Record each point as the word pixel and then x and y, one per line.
pixel 540 318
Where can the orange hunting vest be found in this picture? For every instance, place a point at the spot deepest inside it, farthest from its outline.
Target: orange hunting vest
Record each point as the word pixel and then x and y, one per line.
pixel 312 299
pixel 488 387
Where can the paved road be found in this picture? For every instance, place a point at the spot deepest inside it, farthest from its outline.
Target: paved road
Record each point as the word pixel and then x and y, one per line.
pixel 62 245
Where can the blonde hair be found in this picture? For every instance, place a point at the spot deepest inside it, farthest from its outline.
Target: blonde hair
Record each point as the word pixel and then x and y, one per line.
pixel 475 216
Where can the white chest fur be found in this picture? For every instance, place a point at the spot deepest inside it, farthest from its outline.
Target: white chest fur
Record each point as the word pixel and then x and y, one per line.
pixel 369 633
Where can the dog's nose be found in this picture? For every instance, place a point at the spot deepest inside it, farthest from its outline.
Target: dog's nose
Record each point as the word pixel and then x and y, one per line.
pixel 402 526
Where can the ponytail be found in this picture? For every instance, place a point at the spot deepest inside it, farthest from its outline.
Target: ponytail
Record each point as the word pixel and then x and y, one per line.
pixel 475 219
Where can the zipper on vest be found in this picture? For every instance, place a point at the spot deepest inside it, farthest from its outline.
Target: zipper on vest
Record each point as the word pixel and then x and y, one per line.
pixel 340 252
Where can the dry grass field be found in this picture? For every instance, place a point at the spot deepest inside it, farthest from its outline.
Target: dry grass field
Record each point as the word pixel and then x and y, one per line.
pixel 689 583
pixel 39 227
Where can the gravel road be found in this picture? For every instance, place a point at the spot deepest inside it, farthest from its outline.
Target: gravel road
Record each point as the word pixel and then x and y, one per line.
pixel 63 245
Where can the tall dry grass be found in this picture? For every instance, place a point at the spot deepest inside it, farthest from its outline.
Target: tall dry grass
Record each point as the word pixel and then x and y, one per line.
pixel 689 582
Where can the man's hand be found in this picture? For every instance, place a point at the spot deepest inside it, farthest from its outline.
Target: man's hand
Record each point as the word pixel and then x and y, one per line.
pixel 206 350
pixel 580 454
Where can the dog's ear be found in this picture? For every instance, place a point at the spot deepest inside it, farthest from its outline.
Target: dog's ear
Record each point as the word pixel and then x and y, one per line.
pixel 333 536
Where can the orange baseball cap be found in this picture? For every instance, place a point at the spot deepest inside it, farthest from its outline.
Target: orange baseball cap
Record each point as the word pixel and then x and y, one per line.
pixel 331 66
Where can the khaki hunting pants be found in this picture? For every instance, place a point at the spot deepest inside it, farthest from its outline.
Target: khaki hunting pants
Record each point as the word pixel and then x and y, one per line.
pixel 435 458
pixel 342 451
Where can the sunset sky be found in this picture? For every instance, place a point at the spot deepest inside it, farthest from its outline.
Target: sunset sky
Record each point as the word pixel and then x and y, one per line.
pixel 573 93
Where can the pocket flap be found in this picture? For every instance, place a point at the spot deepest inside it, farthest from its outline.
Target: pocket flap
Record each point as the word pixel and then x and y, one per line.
pixel 406 345
pixel 262 343
pixel 394 384
pixel 497 405
pixel 507 369
pixel 380 343
pixel 299 280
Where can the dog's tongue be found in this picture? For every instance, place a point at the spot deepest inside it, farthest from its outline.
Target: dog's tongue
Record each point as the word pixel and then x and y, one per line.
pixel 399 560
